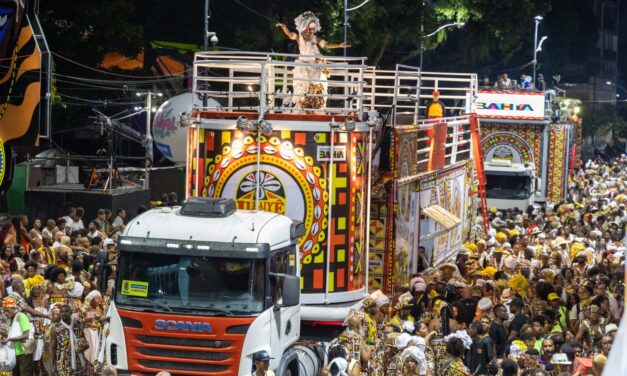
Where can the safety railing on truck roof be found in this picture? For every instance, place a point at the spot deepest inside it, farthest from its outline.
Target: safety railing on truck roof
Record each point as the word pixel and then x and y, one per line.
pixel 457 147
pixel 407 90
pixel 273 83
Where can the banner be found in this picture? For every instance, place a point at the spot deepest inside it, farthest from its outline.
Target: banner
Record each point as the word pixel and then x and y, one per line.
pixel 510 105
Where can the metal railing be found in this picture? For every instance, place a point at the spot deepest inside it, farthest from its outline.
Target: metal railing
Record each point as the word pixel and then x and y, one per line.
pixel 273 83
pixel 458 146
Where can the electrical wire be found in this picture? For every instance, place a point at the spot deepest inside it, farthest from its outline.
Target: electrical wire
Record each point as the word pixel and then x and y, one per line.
pixel 125 82
pixel 111 73
pixel 254 11
pixel 103 101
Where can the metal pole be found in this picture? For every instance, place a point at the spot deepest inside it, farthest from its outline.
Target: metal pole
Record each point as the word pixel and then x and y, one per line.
pixel 369 202
pixel 206 23
pixel 535 51
pixel 329 216
pixel 422 33
pixel 345 25
pixel 148 137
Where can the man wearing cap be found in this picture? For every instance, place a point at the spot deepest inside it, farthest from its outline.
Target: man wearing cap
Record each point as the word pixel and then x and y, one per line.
pixel 262 364
pixel 18 323
pixel 561 322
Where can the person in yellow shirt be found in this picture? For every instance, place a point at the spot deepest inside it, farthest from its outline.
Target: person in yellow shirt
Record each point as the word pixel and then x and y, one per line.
pixel 435 108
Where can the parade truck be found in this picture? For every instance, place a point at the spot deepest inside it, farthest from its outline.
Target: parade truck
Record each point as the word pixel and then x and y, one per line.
pixel 510 185
pixel 531 144
pixel 316 208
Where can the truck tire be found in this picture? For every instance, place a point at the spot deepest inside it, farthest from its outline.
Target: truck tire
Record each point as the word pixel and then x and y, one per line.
pixel 300 360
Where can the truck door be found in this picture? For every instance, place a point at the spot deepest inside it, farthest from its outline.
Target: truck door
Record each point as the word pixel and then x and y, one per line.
pixel 285 324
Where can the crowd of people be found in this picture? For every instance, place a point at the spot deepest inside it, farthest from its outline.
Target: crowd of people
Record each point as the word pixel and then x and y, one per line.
pixel 53 312
pixel 524 83
pixel 537 293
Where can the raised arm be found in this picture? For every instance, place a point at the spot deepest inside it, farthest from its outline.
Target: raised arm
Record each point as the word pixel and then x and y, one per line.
pixel 335 45
pixel 290 34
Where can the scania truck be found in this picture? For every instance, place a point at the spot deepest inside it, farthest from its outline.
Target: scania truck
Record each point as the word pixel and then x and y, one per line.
pixel 203 286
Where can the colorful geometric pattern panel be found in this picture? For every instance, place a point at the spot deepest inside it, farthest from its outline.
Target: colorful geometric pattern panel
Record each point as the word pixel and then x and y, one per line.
pixel 294 179
pixel 525 139
pixel 558 154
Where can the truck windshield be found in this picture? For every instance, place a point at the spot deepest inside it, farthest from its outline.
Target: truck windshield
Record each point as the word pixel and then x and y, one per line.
pixel 508 187
pixel 226 286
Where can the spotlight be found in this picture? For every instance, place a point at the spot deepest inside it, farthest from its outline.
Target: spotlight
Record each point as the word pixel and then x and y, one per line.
pixel 184 120
pixel 334 124
pixel 576 110
pixel 348 125
pixel 264 127
pixel 242 123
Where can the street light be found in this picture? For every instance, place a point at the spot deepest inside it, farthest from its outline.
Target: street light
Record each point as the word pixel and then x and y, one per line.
pixel 346 24
pixel 538 19
pixel 539 48
pixel 208 36
pixel 422 39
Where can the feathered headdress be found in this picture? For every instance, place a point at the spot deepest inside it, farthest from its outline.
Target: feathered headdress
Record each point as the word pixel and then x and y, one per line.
pixel 303 21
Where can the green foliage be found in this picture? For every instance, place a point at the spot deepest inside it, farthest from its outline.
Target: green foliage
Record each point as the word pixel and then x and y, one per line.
pixel 88 29
pixel 607 116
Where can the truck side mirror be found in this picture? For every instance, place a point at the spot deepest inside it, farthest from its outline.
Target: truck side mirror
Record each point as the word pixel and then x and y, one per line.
pixel 291 291
pixel 538 185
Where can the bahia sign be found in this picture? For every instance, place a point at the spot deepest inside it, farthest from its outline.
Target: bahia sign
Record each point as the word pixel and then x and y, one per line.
pixel 510 105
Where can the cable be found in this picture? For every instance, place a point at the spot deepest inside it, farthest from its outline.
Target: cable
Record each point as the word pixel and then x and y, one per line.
pixel 125 82
pixel 99 101
pixel 111 73
pixel 254 11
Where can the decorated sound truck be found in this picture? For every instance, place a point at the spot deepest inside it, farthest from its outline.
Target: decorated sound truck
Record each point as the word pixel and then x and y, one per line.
pixel 529 140
pixel 293 215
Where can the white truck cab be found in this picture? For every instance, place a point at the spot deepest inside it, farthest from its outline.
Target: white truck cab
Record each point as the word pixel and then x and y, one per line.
pixel 201 287
pixel 510 185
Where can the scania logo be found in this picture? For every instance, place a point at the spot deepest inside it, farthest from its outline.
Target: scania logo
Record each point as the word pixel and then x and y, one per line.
pixel 183 326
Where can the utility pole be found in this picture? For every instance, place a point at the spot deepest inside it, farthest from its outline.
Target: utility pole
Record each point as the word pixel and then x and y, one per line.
pixel 535 48
pixel 148 139
pixel 206 23
pixel 422 33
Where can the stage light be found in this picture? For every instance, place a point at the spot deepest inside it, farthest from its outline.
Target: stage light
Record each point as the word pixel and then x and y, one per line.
pixel 264 127
pixel 334 124
pixel 242 123
pixel 184 120
pixel 348 125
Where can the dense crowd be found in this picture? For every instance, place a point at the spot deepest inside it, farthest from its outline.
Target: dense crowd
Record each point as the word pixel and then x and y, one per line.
pixel 537 293
pixel 53 312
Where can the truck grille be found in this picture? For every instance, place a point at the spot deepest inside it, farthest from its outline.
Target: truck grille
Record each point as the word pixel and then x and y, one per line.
pixel 216 353
pixel 158 364
pixel 191 342
pixel 168 353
